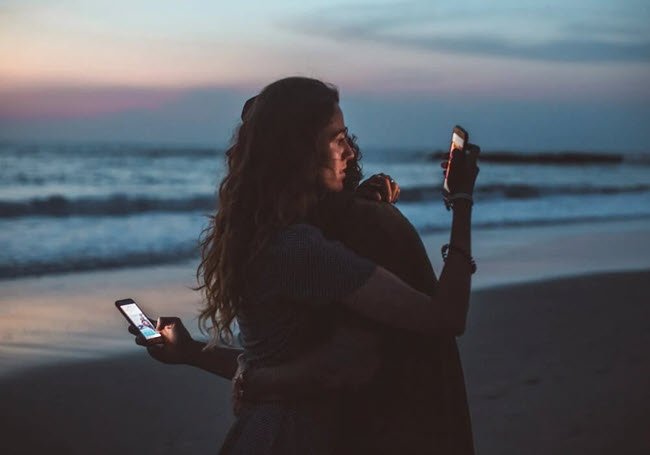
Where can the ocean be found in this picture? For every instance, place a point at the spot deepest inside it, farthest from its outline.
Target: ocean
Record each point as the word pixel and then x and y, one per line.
pixel 66 208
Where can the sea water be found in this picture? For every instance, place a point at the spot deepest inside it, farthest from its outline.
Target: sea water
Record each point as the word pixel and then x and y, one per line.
pixel 111 208
pixel 67 208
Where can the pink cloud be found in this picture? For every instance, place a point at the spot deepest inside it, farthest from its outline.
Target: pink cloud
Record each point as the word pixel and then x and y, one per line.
pixel 72 102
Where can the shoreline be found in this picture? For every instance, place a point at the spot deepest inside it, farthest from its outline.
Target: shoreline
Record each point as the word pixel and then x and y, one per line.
pixel 638 223
pixel 549 367
pixel 130 350
pixel 50 319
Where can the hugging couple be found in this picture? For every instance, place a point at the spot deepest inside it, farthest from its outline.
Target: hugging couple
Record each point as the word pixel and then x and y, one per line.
pixel 348 338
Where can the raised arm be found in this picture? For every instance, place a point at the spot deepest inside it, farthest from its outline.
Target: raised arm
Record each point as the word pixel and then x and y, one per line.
pixel 385 298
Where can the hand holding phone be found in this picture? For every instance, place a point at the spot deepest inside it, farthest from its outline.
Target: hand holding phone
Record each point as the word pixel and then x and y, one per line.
pixel 167 341
pixel 461 168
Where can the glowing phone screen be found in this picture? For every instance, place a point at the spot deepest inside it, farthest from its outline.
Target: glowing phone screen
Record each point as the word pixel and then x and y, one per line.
pixel 138 318
pixel 457 142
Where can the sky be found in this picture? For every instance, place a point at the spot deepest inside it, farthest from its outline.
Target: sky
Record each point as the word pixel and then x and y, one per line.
pixel 552 75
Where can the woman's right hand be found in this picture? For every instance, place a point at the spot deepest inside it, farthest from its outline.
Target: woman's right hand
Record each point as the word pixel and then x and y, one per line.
pixel 464 169
pixel 380 187
pixel 177 346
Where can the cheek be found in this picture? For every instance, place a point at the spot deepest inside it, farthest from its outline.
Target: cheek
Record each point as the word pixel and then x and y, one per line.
pixel 331 156
pixel 325 175
pixel 330 179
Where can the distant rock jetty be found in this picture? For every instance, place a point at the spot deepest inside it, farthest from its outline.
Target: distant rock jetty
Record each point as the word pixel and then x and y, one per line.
pixel 543 158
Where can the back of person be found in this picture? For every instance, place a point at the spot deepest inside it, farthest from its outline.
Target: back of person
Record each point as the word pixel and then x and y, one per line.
pixel 417 402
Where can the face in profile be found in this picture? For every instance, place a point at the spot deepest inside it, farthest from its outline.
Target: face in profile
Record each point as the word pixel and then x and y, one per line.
pixel 333 145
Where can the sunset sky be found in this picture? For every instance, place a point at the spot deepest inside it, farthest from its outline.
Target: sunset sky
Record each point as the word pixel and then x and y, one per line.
pixel 532 75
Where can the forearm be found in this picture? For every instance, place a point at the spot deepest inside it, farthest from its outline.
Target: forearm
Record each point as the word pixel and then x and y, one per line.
pixel 348 359
pixel 461 225
pixel 219 360
pixel 455 279
pixel 293 380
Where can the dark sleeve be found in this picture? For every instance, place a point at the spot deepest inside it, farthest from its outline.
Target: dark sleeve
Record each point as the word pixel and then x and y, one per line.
pixel 305 266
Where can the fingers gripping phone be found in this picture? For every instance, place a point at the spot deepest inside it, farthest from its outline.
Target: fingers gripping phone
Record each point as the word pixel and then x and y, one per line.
pixel 459 139
pixel 138 319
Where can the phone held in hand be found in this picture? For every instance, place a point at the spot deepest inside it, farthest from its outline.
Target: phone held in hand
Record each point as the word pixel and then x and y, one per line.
pixel 138 319
pixel 459 139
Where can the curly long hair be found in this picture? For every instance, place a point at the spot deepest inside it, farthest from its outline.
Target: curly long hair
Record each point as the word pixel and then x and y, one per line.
pixel 353 171
pixel 271 182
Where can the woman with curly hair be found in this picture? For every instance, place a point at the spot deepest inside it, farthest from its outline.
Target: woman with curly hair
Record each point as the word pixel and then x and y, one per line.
pixel 267 265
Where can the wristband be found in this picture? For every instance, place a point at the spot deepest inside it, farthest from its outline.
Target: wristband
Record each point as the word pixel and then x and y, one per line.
pixel 447 248
pixel 449 199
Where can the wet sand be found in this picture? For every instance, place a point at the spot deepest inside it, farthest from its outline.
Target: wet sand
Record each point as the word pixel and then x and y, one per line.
pixel 561 367
pixel 555 366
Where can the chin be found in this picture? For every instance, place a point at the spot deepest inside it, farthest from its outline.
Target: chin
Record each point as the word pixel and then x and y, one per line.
pixel 332 183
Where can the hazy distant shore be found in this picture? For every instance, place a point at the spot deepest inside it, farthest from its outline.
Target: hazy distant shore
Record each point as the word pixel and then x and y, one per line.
pixel 555 366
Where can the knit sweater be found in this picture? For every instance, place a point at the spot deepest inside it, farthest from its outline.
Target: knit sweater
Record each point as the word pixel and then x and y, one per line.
pixel 299 276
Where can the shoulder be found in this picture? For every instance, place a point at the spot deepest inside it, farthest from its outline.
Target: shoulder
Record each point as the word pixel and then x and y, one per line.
pixel 378 211
pixel 299 231
pixel 354 216
pixel 297 236
pixel 303 265
pixel 305 245
pixel 298 244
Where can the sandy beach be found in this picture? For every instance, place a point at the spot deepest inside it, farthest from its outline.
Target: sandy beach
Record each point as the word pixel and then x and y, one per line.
pixel 132 133
pixel 561 366
pixel 552 367
pixel 555 353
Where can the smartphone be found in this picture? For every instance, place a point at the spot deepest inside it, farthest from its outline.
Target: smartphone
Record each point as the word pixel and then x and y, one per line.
pixel 459 138
pixel 137 318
